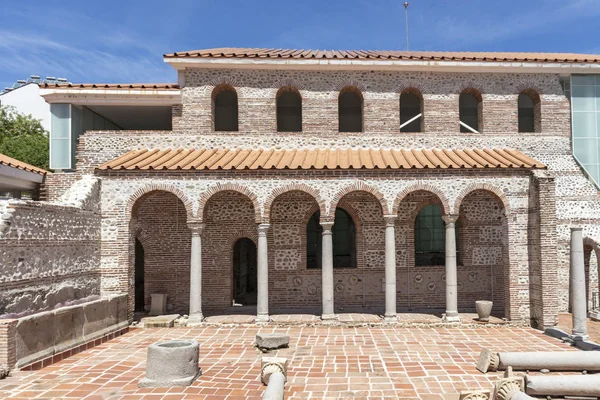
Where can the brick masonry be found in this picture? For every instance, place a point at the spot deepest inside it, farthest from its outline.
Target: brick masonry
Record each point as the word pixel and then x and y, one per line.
pixel 510 258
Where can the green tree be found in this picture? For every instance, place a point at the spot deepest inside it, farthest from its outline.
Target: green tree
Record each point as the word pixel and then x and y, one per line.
pixel 23 137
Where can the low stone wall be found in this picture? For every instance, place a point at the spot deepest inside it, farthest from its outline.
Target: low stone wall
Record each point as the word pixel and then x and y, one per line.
pixel 50 252
pixel 40 339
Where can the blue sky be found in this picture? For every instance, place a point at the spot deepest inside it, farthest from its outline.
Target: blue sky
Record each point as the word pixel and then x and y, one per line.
pixel 123 41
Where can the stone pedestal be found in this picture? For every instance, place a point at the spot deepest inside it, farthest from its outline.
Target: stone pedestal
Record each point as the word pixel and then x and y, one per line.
pixel 172 363
pixel 158 304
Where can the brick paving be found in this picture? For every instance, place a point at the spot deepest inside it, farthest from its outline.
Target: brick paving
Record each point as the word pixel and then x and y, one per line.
pixel 566 323
pixel 429 363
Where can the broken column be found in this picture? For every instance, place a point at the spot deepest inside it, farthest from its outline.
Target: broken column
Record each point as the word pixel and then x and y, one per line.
pixel 578 292
pixel 563 385
pixel 171 363
pixel 274 374
pixel 535 361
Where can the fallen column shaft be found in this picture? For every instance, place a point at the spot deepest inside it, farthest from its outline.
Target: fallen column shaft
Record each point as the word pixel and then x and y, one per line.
pixel 274 389
pixel 564 385
pixel 535 361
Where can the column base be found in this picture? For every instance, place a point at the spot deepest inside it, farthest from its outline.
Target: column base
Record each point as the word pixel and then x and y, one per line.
pixel 451 319
pixel 577 337
pixel 195 320
pixel 390 319
pixel 262 319
pixel 329 317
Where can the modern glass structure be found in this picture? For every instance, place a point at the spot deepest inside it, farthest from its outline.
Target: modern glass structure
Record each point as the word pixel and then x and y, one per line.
pixel 585 106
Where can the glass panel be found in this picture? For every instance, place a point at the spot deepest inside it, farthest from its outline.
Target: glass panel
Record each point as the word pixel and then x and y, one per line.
pixel 60 155
pixel 584 124
pixel 583 98
pixel 586 150
pixel 60 136
pixel 583 80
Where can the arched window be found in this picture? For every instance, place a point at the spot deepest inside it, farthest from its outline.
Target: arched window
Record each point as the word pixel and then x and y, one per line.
pixel 470 111
pixel 225 109
pixel 411 111
pixel 430 236
pixel 344 241
pixel 529 111
pixel 289 110
pixel 350 110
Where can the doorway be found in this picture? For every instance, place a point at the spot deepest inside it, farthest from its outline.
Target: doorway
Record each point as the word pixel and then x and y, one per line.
pixel 244 272
pixel 139 276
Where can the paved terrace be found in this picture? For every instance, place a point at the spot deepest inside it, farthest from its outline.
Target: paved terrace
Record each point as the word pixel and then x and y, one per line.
pixel 326 362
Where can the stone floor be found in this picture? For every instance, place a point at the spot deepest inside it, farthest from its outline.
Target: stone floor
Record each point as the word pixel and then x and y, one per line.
pixel 346 318
pixel 337 362
pixel 565 323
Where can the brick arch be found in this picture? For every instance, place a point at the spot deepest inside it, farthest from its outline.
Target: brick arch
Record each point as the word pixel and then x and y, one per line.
pixel 357 187
pixel 235 236
pixel 140 233
pixel 301 187
pixel 411 85
pixel 164 187
pixel 211 191
pixel 526 86
pixel 425 188
pixel 485 187
pixel 472 89
pixel 223 81
pixel 288 82
pixel 351 83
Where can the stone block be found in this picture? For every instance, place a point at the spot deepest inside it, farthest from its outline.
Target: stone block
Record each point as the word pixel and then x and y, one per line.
pixel 158 304
pixel 271 341
pixel 171 363
pixel 161 321
pixel 35 337
pixel 96 319
pixel 117 308
pixel 68 327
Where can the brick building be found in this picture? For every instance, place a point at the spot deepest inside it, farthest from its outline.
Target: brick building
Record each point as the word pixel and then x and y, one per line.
pixel 338 181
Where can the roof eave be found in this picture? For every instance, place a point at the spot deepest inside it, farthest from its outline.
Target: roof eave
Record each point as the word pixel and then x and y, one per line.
pixel 180 63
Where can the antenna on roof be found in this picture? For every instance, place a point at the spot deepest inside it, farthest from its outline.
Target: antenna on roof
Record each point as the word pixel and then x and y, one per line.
pixel 406 14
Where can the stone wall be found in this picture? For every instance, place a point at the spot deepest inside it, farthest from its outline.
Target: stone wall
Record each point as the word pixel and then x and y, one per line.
pixel 50 253
pixel 46 337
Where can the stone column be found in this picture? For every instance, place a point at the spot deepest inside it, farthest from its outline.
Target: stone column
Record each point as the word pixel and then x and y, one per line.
pixel 262 272
pixel 327 271
pixel 390 268
pixel 451 273
pixel 196 316
pixel 577 290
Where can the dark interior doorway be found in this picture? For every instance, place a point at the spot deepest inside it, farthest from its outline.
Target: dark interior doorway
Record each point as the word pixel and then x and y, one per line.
pixel 139 276
pixel 244 272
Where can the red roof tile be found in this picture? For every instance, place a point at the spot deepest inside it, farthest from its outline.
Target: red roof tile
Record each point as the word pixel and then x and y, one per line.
pixel 104 86
pixel 328 158
pixel 14 163
pixel 385 55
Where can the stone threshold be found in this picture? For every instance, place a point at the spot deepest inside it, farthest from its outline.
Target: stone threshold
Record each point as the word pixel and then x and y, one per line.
pixel 37 365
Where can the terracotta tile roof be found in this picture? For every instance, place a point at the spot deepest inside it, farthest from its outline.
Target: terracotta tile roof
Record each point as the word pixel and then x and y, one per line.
pixel 104 86
pixel 328 158
pixel 14 163
pixel 385 55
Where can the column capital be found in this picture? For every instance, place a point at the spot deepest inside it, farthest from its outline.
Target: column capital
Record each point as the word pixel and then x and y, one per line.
pixel 326 225
pixel 450 219
pixel 263 228
pixel 390 220
pixel 576 228
pixel 196 227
